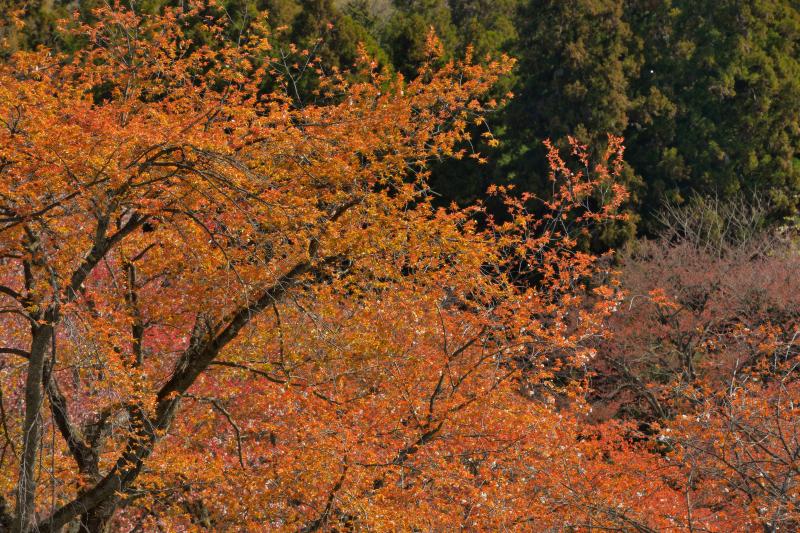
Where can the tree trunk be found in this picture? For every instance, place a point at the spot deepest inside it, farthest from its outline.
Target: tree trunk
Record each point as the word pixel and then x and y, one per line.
pixel 32 431
pixel 98 520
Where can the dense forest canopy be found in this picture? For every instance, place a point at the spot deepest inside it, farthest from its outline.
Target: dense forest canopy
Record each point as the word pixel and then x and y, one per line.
pixel 399 265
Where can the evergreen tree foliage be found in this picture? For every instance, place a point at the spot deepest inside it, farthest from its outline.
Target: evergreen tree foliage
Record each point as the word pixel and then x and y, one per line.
pixel 720 89
pixel 406 32
pixel 573 80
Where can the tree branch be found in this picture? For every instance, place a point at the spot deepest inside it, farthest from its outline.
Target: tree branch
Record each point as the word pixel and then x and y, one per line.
pixel 102 244
pixel 15 351
pixel 8 291
pixel 320 522
pixel 197 357
pixel 81 451
pixel 219 407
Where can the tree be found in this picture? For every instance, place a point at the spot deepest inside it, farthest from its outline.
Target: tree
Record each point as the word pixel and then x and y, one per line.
pixel 574 67
pixel 717 95
pixel 197 273
pixel 715 271
pixel 38 28
pixel 704 360
pixel 405 34
pixel 489 27
pixel 333 39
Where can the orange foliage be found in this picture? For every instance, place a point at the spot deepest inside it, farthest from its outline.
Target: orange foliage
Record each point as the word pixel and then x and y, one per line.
pixel 225 309
pixel 245 312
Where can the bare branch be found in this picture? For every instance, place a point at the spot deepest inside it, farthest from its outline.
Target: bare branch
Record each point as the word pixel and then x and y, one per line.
pixel 8 291
pixel 15 351
pixel 219 407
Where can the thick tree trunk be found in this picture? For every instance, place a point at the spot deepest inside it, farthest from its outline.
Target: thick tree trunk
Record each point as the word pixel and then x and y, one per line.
pixel 98 520
pixel 32 431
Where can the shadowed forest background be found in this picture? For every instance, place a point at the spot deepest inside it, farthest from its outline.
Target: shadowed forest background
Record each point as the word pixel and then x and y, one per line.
pixel 399 265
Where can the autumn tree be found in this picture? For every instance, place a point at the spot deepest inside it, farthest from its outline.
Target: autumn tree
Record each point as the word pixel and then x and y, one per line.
pixel 225 309
pixel 716 271
pixel 703 360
